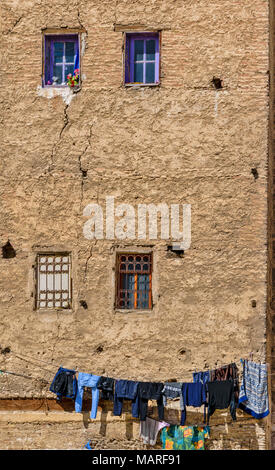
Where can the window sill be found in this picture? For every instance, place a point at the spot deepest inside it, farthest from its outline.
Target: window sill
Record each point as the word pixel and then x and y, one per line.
pixel 54 310
pixel 49 87
pixel 137 311
pixel 138 85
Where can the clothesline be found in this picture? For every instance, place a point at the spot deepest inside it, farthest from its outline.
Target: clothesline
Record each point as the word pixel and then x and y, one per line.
pixel 16 354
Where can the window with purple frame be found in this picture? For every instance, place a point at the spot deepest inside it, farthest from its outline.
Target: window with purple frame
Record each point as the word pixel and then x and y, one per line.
pixel 142 58
pixel 60 59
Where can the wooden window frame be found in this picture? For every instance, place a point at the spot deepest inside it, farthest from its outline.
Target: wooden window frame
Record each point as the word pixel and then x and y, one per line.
pixel 48 56
pixel 120 272
pixel 53 292
pixel 129 39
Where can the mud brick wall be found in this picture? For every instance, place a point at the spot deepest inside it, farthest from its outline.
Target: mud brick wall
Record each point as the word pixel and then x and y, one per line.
pixel 183 142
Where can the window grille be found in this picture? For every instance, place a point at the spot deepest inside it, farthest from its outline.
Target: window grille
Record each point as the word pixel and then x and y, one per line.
pixel 134 281
pixel 54 281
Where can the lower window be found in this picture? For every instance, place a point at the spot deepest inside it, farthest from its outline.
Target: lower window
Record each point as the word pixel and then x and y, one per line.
pixel 53 281
pixel 134 281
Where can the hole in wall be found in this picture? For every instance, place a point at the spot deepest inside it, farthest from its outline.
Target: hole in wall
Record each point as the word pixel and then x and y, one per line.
pixel 217 82
pixel 6 350
pixel 8 251
pixel 255 173
pixel 182 351
pixel 99 348
pixel 83 304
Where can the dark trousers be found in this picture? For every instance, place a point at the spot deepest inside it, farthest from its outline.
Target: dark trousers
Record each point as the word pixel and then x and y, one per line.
pixel 150 391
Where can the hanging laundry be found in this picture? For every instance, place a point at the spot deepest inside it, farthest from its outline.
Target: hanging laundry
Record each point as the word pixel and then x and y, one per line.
pixel 194 394
pixel 221 396
pixel 87 380
pixel 149 430
pixel 126 390
pixel 202 377
pixel 172 390
pixel 106 385
pixel 184 437
pixel 64 384
pixel 253 398
pixel 228 372
pixel 150 391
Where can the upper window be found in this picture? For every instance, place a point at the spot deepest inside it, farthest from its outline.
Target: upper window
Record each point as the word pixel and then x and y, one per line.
pixel 134 281
pixel 142 58
pixel 53 281
pixel 61 59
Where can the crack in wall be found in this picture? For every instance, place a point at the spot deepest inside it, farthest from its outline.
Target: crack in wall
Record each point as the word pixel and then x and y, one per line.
pixel 66 122
pixel 80 23
pixel 87 262
pixel 81 168
pixel 14 25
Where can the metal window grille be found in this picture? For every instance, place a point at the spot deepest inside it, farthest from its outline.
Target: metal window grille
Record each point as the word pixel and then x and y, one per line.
pixel 54 281
pixel 134 281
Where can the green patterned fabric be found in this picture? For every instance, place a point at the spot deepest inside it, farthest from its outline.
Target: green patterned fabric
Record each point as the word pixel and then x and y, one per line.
pixel 184 437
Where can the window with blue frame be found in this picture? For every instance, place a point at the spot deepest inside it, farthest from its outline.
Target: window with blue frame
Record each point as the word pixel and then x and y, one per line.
pixel 134 281
pixel 142 58
pixel 61 59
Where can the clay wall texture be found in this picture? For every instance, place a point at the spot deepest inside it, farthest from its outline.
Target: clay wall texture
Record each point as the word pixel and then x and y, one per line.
pixel 182 142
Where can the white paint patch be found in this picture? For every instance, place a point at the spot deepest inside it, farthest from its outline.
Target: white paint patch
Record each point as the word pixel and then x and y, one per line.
pixel 51 92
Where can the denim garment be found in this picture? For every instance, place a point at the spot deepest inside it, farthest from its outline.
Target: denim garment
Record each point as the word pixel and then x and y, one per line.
pixel 87 380
pixel 64 383
pixel 194 394
pixel 126 390
pixel 106 385
pixel 173 390
pixel 202 377
pixel 150 391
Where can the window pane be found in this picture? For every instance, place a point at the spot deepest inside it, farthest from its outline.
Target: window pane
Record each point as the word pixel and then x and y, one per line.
pixel 69 69
pixel 150 49
pixel 139 49
pixel 138 72
pixel 57 72
pixel 150 72
pixel 69 52
pixel 58 52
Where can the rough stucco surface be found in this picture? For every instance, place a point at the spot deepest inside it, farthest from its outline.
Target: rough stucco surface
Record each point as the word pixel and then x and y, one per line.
pixel 182 142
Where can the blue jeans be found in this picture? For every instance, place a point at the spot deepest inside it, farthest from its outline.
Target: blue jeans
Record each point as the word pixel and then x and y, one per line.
pixel 126 390
pixel 87 380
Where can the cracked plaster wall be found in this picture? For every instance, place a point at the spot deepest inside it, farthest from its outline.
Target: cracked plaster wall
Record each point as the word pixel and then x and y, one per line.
pixel 182 142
